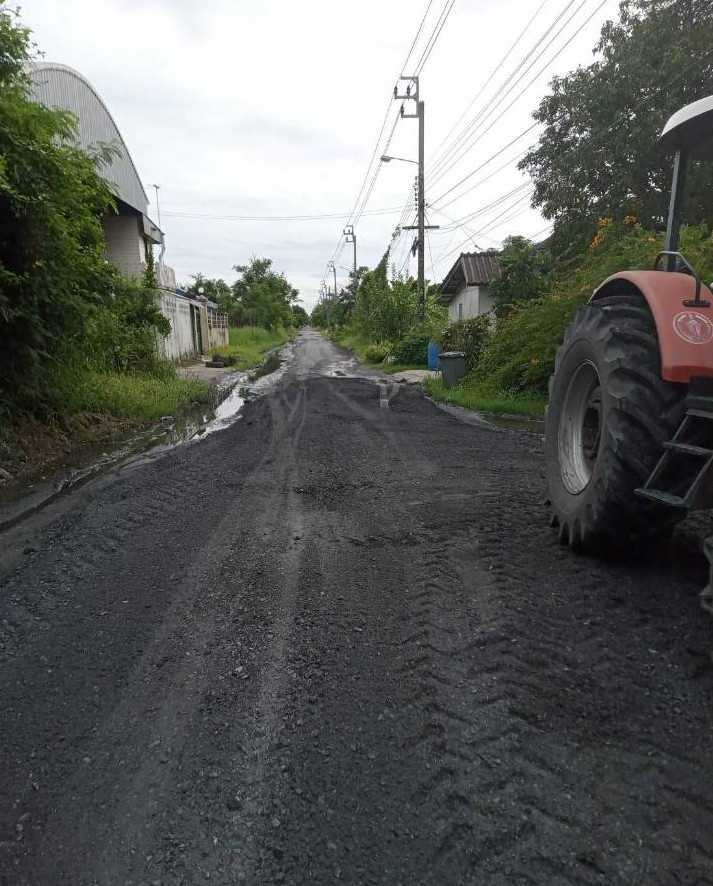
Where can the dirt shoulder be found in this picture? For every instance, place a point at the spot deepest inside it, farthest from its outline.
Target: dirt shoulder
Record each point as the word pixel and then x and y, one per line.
pixel 31 451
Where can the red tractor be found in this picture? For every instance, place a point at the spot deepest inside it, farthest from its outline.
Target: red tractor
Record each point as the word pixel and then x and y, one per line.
pixel 629 426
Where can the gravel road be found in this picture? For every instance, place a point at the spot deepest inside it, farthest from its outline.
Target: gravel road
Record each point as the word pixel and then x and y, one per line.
pixel 338 643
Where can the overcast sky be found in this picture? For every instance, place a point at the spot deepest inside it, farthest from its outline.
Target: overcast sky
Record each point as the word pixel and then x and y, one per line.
pixel 272 108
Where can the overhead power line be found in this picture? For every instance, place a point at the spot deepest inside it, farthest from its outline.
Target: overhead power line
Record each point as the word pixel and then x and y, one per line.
pixel 486 109
pixel 465 178
pixel 473 123
pixel 445 12
pixel 623 117
pixel 418 34
pixel 281 218
pixel 476 131
pixel 502 61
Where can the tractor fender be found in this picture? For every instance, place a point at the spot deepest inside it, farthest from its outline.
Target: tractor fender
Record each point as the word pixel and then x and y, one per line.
pixel 685 333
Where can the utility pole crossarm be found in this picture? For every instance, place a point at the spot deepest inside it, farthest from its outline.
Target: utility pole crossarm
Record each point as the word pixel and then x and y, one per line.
pixel 350 237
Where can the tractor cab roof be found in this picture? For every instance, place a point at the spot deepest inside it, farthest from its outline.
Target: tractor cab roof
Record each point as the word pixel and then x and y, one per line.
pixel 691 128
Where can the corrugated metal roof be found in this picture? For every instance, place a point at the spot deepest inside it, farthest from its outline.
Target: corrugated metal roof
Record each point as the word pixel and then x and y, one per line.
pixel 481 267
pixel 472 269
pixel 58 86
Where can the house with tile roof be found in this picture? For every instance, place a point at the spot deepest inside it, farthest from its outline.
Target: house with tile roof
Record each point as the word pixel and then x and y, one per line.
pixel 464 289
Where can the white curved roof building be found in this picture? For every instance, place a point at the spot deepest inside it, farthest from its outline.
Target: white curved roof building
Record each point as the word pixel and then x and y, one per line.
pixel 131 231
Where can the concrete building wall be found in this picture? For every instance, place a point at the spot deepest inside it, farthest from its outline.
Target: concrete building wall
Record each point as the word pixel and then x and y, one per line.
pixel 165 276
pixel 471 301
pixel 192 324
pixel 218 332
pixel 180 344
pixel 125 246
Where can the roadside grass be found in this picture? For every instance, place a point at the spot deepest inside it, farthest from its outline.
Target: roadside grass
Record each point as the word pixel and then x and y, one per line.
pixel 94 411
pixel 248 344
pixel 133 396
pixel 352 342
pixel 482 398
pixel 393 368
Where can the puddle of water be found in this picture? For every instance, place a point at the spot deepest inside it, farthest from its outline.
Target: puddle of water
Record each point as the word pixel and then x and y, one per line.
pixel 226 412
pixel 342 368
pixel 515 423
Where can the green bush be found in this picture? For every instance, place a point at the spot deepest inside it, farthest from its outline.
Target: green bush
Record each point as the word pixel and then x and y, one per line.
pixel 121 332
pixel 412 348
pixel 377 353
pixel 469 336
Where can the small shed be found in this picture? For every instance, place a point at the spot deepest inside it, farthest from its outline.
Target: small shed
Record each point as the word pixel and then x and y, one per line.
pixel 464 290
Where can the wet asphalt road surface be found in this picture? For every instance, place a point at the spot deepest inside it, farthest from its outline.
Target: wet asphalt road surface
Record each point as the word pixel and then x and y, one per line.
pixel 338 643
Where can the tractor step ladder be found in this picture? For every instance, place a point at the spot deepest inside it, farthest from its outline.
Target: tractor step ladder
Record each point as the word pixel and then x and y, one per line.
pixel 692 474
pixel 693 463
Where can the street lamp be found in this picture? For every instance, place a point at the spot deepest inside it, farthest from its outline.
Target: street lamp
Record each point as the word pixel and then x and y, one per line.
pixel 386 158
pixel 157 188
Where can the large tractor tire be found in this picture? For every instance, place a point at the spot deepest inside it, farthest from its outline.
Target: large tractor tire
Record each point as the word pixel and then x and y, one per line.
pixel 608 416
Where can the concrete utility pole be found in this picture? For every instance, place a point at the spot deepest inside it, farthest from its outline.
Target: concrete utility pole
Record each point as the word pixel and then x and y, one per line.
pixel 331 267
pixel 351 238
pixel 411 94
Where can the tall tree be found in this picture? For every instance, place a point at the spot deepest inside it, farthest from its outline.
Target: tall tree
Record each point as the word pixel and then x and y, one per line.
pixel 384 309
pixel 215 289
pixel 598 155
pixel 262 296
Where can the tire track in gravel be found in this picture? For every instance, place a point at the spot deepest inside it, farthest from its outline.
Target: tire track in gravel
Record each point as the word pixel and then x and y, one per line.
pixel 284 520
pixel 344 696
pixel 219 828
pixel 538 649
pixel 311 586
pixel 483 669
pixel 274 515
pixel 401 686
pixel 117 588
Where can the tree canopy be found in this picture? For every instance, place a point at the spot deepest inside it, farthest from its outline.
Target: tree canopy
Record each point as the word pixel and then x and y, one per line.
pixel 599 154
pixel 261 296
pixel 214 289
pixel 525 274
